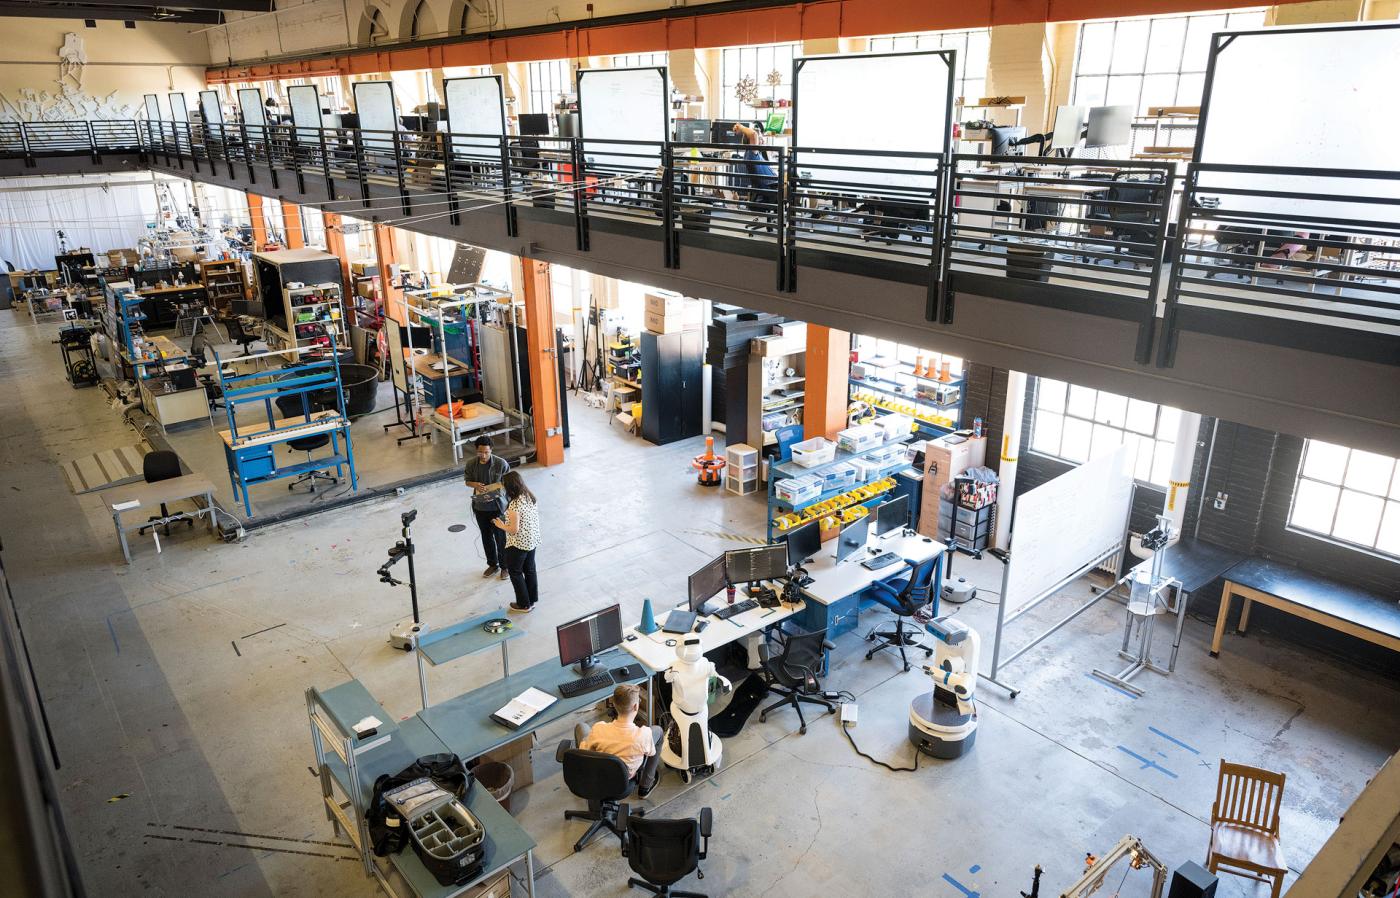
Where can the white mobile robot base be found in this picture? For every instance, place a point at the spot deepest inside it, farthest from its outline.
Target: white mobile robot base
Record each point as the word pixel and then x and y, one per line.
pixel 943 723
pixel 689 746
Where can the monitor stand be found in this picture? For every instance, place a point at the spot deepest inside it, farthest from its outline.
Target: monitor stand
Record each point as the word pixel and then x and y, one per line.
pixel 587 667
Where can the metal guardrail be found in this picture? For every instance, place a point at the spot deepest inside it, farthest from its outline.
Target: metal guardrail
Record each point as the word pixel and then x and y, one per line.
pixel 1300 247
pixel 1090 235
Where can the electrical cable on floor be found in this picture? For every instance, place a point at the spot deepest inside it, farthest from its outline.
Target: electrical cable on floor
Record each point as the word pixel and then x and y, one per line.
pixel 850 697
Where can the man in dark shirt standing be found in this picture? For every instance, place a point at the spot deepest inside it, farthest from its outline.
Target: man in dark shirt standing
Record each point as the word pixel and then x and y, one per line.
pixel 483 475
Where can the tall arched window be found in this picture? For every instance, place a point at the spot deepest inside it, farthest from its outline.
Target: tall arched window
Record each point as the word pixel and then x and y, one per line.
pixel 422 21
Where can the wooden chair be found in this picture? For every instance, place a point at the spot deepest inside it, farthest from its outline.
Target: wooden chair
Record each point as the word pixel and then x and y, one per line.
pixel 1244 825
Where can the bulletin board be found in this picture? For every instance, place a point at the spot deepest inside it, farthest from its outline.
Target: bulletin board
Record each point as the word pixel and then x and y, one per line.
pixel 621 104
pixel 899 102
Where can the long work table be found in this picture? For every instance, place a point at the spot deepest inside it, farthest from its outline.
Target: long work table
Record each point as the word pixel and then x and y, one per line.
pixel 837 591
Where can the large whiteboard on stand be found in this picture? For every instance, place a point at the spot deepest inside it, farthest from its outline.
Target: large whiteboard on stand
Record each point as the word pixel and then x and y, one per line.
pixel 306 112
pixel 1345 77
pixel 1068 523
pixel 211 111
pixel 881 101
pixel 475 106
pixel 179 110
pixel 621 104
pixel 374 104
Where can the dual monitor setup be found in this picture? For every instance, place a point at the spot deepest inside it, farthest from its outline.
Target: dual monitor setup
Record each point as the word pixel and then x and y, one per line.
pixel 1095 126
pixel 686 130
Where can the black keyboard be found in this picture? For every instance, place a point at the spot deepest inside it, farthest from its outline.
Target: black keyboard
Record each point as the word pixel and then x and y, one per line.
pixel 585 684
pixel 880 561
pixel 729 611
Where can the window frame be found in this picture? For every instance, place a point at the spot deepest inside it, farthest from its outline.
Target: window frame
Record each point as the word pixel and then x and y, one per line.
pixel 1387 501
pixel 560 77
pixel 939 40
pixel 1155 437
pixel 739 57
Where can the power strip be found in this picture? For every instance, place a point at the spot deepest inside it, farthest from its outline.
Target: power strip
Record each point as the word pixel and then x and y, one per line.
pixel 849 714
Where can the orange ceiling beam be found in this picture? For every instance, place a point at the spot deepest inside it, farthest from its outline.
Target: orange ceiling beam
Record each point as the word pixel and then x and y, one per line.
pixel 801 21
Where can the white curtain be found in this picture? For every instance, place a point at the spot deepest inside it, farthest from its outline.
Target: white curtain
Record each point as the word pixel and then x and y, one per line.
pixel 98 213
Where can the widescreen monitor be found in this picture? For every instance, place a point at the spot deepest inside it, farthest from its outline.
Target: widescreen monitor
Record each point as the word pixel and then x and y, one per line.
pixel 852 538
pixel 535 124
pixel 693 130
pixel 804 543
pixel 581 640
pixel 892 515
pixel 758 563
pixel 707 582
pixel 1109 126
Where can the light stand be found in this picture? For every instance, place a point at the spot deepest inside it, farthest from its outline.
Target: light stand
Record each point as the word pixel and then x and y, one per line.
pixel 405 633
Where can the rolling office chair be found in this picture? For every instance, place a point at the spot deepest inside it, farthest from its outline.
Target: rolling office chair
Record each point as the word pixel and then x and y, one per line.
pixel 601 780
pixel 238 334
pixel 903 597
pixel 155 467
pixel 663 852
pixel 199 360
pixel 291 407
pixel 793 673
pixel 1128 225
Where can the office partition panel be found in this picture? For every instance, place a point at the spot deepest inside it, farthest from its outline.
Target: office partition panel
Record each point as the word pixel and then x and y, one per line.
pixel 306 112
pixel 250 105
pixel 179 109
pixel 475 106
pixel 374 104
pixel 620 104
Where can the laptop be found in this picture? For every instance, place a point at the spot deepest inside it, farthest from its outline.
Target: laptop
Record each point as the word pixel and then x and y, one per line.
pixel 679 622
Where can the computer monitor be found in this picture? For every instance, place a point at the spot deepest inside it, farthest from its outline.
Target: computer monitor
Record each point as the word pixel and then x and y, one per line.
pixel 892 514
pixel 758 563
pixel 804 543
pixel 722 131
pixel 1069 126
pixel 852 538
pixel 706 583
pixel 581 640
pixel 534 123
pixel 693 130
pixel 1003 137
pixel 1109 126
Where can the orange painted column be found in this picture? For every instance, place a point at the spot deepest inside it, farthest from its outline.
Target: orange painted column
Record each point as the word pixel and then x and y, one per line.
pixel 542 362
pixel 335 245
pixel 386 256
pixel 291 220
pixel 255 217
pixel 828 382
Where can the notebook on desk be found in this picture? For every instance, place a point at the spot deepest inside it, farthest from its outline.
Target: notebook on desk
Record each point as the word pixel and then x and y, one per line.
pixel 524 706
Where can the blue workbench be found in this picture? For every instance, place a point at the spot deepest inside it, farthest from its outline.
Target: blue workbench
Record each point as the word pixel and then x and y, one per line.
pixel 838 592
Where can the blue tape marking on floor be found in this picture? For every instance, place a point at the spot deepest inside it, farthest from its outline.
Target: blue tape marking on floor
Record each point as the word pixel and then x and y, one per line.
pixel 974 868
pixel 961 888
pixel 113 630
pixel 1173 740
pixel 1147 763
pixel 1120 691
pixel 725 796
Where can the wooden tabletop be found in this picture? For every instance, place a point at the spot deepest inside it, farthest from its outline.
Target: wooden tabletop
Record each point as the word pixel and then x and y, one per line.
pixel 320 421
pixel 423 364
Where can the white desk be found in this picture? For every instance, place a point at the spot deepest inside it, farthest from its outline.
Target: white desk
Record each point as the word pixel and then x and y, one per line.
pixel 652 650
pixel 832 582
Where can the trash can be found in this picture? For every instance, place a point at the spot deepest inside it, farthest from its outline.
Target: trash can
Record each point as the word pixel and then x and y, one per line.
pixel 496 778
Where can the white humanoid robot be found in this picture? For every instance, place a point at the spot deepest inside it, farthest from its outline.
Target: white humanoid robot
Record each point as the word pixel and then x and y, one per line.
pixel 689 745
pixel 943 723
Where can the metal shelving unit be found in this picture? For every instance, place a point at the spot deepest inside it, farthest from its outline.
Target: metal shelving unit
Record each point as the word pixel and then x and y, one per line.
pixel 926 411
pixel 784 470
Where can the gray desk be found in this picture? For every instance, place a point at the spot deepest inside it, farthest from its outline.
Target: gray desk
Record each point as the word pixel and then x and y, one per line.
pixel 505 841
pixel 460 640
pixel 464 723
pixel 141 497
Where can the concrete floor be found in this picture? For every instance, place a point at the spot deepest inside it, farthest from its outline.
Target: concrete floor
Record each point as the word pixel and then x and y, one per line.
pixel 174 688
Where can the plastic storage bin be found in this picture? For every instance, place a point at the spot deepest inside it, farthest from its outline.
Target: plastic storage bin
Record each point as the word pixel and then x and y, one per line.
pixel 797 490
pixel 895 425
pixel 839 477
pixel 813 452
pixel 859 439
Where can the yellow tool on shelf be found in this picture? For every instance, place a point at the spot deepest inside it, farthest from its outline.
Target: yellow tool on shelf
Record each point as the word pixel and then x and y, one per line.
pixel 846 506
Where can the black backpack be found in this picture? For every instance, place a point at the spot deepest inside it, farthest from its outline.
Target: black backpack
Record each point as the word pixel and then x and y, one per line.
pixel 447 770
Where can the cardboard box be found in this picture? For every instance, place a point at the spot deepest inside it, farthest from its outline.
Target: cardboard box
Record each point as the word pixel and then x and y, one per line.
pixel 672 324
pixel 364 268
pixel 497 886
pixel 664 302
pixel 944 459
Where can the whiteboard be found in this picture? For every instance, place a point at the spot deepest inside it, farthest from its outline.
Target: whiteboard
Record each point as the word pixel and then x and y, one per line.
pixel 886 101
pixel 398 370
pixel 306 112
pixel 616 104
pixel 1065 524
pixel 179 111
pixel 475 106
pixel 152 108
pixel 212 112
pixel 374 103
pixel 250 104
pixel 1341 85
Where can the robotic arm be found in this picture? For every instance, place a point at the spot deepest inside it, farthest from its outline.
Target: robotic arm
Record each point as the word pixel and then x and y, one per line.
pixel 954 667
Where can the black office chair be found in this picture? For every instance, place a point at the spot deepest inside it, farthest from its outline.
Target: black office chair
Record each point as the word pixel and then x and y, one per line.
pixel 904 597
pixel 663 852
pixel 155 467
pixel 244 338
pixel 199 347
pixel 601 780
pixel 292 407
pixel 793 673
pixel 1129 226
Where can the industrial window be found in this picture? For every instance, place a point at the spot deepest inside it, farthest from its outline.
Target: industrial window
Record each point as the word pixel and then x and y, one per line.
pixel 872 347
pixel 1156 60
pixel 1074 424
pixel 1348 495
pixel 548 79
pixel 422 21
pixel 637 60
pixel 970 79
pixel 756 63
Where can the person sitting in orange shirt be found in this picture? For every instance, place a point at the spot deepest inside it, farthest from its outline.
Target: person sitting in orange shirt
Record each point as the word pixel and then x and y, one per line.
pixel 638 747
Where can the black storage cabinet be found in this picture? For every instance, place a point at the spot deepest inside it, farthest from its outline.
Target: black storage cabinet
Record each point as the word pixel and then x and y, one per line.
pixel 273 271
pixel 671 389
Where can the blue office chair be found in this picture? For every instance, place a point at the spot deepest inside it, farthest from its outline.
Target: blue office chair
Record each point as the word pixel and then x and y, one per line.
pixel 786 436
pixel 904 596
